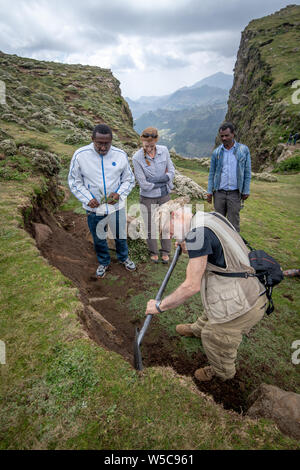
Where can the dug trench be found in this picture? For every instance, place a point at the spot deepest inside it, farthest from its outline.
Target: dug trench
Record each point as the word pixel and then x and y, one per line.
pixel 63 239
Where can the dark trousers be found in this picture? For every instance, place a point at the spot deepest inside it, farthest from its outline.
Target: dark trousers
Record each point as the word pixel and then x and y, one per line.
pixel 98 225
pixel 228 204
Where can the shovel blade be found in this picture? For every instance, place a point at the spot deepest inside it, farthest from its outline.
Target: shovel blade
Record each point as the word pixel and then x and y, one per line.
pixel 138 363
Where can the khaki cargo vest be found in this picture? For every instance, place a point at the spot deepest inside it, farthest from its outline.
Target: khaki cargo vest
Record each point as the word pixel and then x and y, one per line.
pixel 225 298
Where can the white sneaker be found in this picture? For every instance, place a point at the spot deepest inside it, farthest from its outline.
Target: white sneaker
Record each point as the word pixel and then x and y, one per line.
pixel 129 265
pixel 101 270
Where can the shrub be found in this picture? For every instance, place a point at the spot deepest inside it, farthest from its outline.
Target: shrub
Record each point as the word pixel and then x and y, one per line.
pixel 45 97
pixel 8 146
pixel 24 90
pixel 76 138
pixel 291 164
pixel 48 163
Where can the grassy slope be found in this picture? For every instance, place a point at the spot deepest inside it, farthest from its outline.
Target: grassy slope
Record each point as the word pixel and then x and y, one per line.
pixel 61 391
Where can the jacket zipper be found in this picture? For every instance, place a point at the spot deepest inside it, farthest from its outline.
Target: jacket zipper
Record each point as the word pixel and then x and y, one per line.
pixel 103 176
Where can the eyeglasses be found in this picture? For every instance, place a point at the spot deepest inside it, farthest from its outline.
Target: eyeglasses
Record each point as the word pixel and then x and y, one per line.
pixel 146 135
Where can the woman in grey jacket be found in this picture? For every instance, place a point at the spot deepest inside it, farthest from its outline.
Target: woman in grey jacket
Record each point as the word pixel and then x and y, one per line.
pixel 154 172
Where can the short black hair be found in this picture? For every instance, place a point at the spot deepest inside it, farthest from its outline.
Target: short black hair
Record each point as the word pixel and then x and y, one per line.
pixel 101 129
pixel 227 125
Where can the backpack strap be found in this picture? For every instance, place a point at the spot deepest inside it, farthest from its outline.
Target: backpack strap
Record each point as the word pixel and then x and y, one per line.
pixel 245 275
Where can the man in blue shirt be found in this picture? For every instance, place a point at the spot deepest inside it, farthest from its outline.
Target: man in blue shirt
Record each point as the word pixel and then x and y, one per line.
pixel 229 175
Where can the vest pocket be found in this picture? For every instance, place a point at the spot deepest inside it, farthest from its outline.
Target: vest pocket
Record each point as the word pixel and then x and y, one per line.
pixel 224 300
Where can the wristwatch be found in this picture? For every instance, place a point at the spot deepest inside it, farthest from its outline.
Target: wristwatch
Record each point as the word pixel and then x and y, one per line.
pixel 157 306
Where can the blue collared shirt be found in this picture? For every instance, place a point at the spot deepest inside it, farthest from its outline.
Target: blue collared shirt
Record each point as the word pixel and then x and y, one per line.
pixel 229 170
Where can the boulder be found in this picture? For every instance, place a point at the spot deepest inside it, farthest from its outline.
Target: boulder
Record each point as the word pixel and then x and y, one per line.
pixel 205 162
pixel 264 177
pixel 269 401
pixel 184 186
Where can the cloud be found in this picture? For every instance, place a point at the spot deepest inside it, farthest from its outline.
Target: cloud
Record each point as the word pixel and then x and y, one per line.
pixel 123 63
pixel 160 41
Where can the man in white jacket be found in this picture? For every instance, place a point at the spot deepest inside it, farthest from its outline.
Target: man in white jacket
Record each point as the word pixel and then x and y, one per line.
pixel 101 178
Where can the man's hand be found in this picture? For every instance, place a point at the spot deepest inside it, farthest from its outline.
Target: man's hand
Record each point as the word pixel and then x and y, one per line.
pixel 113 198
pixel 151 309
pixel 209 198
pixel 245 196
pixel 183 246
pixel 93 203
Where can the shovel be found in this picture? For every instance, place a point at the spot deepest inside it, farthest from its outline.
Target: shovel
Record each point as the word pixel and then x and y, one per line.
pixel 139 334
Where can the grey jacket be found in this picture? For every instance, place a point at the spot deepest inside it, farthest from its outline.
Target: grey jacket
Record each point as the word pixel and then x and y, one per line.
pixel 159 167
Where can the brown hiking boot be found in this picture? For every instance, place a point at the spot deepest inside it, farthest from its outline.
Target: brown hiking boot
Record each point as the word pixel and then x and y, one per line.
pixel 184 330
pixel 205 374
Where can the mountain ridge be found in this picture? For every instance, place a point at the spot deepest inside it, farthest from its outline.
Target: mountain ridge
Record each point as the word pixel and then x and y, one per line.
pixel 187 119
pixel 151 103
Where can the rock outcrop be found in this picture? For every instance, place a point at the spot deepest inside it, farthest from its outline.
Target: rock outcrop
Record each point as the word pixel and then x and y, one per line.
pixel 279 405
pixel 264 102
pixel 185 186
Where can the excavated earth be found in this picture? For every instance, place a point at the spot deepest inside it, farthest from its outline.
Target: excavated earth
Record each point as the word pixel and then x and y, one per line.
pixel 64 240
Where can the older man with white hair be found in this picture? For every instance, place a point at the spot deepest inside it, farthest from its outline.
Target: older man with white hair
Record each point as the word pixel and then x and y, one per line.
pixel 232 305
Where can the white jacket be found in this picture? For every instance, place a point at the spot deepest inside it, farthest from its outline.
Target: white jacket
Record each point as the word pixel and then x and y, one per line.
pixel 94 176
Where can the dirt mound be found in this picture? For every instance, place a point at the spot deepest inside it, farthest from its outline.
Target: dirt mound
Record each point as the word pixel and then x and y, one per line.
pixel 107 318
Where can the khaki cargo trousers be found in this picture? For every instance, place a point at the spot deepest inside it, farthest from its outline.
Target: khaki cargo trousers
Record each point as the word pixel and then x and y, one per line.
pixel 221 340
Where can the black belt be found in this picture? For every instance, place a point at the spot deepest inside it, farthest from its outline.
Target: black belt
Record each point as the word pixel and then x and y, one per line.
pixel 228 190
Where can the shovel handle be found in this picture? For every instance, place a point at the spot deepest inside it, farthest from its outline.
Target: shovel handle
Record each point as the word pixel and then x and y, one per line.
pixel 160 293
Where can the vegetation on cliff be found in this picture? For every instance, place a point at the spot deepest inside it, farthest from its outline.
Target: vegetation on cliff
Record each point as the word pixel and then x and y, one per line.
pixel 263 104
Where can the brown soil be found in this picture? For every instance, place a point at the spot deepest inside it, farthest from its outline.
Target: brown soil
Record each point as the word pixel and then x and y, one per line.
pixel 69 249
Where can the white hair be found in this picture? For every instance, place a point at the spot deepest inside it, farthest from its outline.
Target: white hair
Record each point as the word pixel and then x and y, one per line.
pixel 164 212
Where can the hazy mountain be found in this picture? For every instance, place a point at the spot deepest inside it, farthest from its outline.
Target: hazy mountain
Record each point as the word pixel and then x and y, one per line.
pixel 219 80
pixel 189 118
pixel 191 132
pixel 213 89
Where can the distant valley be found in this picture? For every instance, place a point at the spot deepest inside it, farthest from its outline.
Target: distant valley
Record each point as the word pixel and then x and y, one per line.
pixel 187 119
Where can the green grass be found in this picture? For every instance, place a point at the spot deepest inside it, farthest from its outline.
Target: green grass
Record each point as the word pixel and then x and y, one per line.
pixel 61 391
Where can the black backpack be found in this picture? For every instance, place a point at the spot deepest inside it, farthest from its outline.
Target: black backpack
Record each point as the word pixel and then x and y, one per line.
pixel 267 270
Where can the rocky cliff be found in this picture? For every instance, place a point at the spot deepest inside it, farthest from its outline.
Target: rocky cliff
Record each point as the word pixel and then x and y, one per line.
pixel 264 103
pixel 61 101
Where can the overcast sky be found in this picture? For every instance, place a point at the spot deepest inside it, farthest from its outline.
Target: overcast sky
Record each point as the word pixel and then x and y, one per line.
pixel 153 47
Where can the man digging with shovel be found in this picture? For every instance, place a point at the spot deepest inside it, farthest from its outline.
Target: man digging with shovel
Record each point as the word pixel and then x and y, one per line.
pixel 232 305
